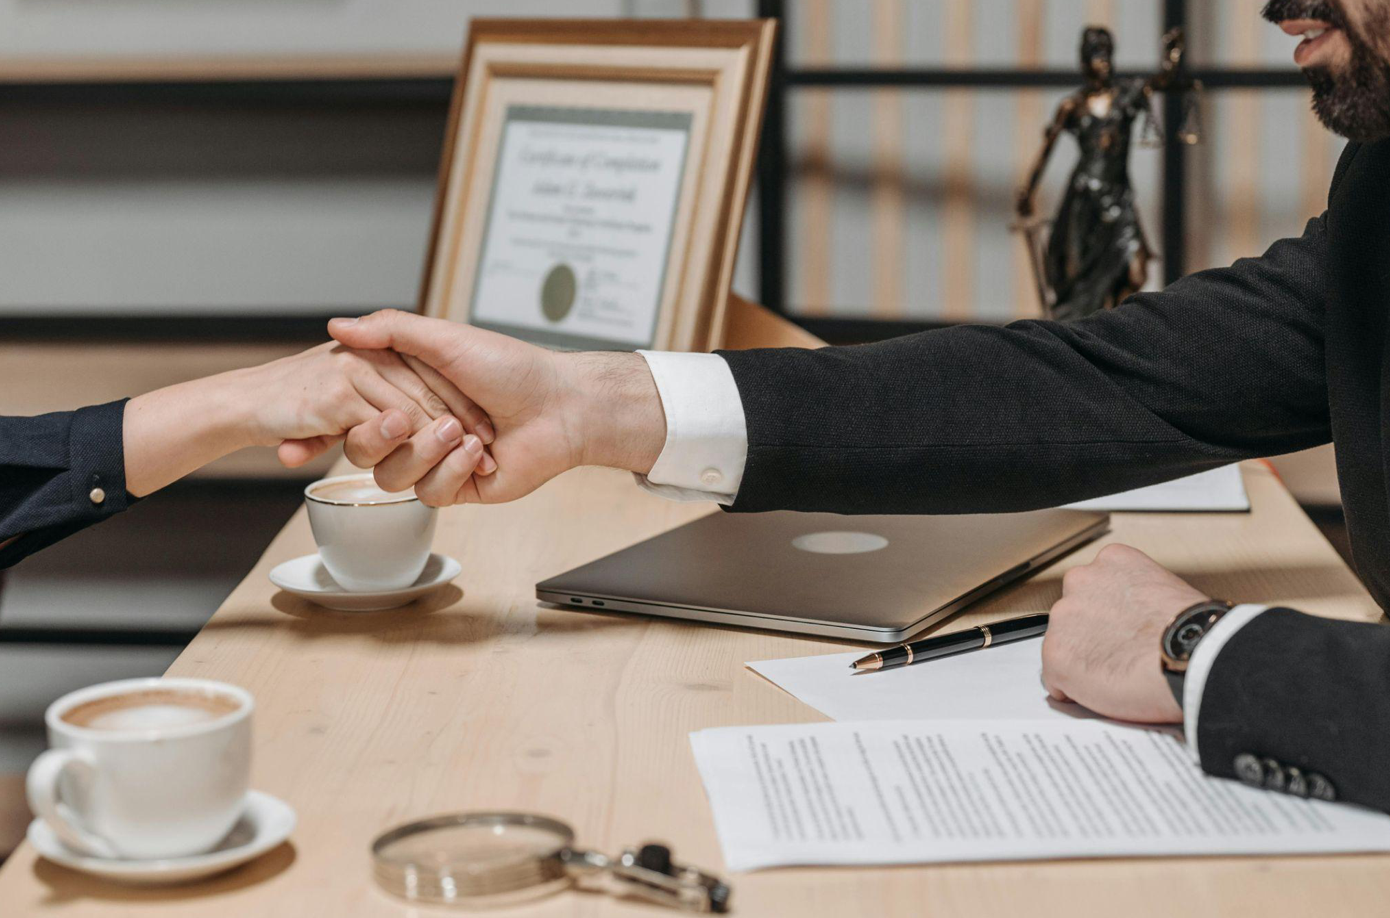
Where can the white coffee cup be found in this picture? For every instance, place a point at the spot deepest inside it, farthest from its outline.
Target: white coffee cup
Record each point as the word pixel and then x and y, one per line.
pixel 370 540
pixel 144 768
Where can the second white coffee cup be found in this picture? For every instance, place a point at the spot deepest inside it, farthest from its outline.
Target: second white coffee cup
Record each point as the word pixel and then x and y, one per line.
pixel 370 540
pixel 144 768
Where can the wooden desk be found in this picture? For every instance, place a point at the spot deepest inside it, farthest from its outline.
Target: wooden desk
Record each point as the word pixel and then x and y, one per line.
pixel 479 699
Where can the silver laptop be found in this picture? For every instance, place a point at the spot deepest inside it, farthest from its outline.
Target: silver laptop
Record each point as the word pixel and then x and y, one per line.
pixel 869 578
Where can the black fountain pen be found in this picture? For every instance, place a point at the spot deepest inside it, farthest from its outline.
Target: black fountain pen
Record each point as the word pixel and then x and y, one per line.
pixel 977 638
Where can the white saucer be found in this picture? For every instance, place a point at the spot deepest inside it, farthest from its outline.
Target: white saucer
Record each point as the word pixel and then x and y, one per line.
pixel 266 823
pixel 306 577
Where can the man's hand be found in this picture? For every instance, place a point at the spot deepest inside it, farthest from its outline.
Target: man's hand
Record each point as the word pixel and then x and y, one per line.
pixel 1102 643
pixel 549 411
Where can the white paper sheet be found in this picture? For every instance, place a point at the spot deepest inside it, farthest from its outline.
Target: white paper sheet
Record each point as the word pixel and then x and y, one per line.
pixel 1219 490
pixel 1001 682
pixel 897 792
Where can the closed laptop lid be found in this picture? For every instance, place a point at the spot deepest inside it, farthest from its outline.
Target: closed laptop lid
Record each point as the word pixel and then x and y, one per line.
pixel 873 572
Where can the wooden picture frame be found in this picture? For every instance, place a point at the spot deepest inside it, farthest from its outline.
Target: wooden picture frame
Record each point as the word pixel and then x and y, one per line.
pixel 534 104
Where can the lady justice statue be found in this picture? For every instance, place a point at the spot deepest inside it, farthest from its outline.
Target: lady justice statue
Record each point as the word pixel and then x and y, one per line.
pixel 1096 254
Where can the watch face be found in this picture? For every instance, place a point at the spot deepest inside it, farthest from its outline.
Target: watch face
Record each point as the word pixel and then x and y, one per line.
pixel 1186 636
pixel 1183 634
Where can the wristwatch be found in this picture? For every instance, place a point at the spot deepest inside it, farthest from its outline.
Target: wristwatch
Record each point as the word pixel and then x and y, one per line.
pixel 1191 625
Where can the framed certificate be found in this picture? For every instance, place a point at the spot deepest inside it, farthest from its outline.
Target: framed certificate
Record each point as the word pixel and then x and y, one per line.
pixel 593 180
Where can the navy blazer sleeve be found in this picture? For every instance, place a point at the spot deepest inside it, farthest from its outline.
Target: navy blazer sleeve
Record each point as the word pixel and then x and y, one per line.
pixel 59 473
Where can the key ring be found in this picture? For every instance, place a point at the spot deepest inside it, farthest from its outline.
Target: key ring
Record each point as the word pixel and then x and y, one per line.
pixel 486 860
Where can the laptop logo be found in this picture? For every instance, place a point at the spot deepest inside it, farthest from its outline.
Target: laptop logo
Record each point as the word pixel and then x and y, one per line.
pixel 839 542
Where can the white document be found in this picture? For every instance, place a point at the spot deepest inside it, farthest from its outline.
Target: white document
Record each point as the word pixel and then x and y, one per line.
pixel 1004 681
pixel 579 224
pixel 907 792
pixel 1218 490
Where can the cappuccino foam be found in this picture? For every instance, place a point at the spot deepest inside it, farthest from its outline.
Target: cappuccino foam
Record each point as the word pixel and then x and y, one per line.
pixel 150 709
pixel 358 492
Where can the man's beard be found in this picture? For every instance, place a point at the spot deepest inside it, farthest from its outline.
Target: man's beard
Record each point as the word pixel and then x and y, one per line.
pixel 1353 101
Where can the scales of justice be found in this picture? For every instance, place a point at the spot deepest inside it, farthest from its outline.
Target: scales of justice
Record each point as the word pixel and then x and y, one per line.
pixel 1093 254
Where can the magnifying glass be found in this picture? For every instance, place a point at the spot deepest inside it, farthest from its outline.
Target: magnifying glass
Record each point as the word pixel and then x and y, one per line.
pixel 486 860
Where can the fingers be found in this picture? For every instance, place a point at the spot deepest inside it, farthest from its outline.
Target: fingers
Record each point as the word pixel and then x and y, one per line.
pixel 368 444
pixel 434 341
pixel 474 418
pixel 411 461
pixel 441 485
pixel 393 368
pixel 1052 667
pixel 487 465
pixel 376 391
pixel 294 453
pixel 398 385
pixel 1115 553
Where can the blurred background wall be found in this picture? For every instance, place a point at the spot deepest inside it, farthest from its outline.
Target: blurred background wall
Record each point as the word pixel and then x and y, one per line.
pixel 187 187
pixel 125 198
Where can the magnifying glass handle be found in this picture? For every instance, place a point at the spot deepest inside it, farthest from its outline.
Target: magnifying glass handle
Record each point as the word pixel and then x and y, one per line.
pixel 650 872
pixel 585 863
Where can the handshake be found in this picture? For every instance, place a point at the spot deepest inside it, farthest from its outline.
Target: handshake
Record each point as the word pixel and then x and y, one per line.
pixel 461 414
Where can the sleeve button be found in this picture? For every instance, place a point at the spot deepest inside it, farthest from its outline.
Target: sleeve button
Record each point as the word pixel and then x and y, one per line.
pixel 1275 778
pixel 1319 788
pixel 711 477
pixel 97 496
pixel 1298 784
pixel 1249 770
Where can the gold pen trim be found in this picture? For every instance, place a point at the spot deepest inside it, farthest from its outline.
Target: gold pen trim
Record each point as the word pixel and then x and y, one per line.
pixel 989 638
pixel 872 662
pixel 908 648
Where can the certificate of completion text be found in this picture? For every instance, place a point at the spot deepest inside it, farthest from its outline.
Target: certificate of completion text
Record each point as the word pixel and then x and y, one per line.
pixel 579 225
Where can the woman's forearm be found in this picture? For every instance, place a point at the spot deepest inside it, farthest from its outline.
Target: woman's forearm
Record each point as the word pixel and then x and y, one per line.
pixel 176 430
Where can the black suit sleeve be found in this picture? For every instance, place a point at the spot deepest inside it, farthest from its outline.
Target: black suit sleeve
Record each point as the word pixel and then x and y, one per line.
pixel 1307 692
pixel 50 466
pixel 1222 365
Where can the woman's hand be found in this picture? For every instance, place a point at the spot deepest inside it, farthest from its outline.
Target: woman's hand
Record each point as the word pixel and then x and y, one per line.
pixel 304 403
pixel 312 400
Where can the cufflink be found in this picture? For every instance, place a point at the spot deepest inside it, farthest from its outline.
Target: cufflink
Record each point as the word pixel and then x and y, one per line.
pixel 1249 770
pixel 711 477
pixel 97 496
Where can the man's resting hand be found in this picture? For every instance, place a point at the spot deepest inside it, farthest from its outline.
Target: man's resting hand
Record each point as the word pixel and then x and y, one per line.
pixel 1102 643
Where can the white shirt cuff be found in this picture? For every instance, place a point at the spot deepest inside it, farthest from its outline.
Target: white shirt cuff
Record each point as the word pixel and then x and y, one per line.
pixel 1199 667
pixel 706 436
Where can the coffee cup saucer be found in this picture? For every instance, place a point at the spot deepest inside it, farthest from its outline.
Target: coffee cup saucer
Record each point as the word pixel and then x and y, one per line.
pixel 266 822
pixel 307 578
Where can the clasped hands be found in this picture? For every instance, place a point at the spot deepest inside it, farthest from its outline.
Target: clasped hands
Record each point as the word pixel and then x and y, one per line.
pixel 539 413
pixel 487 418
